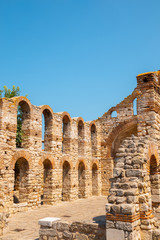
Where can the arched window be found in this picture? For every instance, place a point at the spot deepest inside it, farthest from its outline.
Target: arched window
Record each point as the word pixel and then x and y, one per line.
pixel 135 106
pixel 81 180
pixel 66 181
pixel 80 138
pixel 93 140
pixel 114 114
pixel 46 198
pixel 21 181
pixel 94 180
pixel 47 124
pixel 154 181
pixel 66 134
pixel 23 125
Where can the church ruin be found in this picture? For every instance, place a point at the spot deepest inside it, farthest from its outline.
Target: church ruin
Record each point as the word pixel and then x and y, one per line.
pixel 116 155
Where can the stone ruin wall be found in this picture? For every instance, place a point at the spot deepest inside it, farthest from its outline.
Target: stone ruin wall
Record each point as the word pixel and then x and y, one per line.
pixel 70 161
pixel 80 157
pixel 59 230
pixel 133 208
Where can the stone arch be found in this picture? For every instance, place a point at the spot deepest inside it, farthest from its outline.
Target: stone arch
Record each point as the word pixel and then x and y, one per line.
pixel 46 164
pixel 94 179
pixel 152 168
pixel 66 114
pixel 111 110
pixel 81 136
pixel 65 159
pixel 152 150
pixel 118 134
pixel 24 116
pixel 93 133
pixel 81 179
pixel 114 114
pixel 21 154
pixel 17 100
pixel 49 157
pixel 47 129
pixel 66 181
pixel 83 161
pixel 46 197
pixel 21 185
pixel 66 133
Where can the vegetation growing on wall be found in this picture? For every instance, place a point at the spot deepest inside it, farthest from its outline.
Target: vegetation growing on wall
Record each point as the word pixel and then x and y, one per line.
pixel 9 93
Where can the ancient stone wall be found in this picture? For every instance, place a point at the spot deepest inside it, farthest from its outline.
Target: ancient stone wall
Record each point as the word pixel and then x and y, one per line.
pixel 70 159
pixel 65 165
pixel 74 159
pixel 132 211
pixel 57 230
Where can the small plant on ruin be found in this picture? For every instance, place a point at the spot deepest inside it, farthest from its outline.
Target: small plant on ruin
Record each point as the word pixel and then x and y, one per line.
pixel 9 93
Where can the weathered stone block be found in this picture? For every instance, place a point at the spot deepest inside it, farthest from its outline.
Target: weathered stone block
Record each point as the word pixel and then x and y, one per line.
pixel 114 234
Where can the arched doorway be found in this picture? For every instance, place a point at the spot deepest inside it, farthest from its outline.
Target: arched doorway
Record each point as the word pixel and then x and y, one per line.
pixel 81 180
pixel 21 181
pixel 66 181
pixel 94 180
pixel 46 198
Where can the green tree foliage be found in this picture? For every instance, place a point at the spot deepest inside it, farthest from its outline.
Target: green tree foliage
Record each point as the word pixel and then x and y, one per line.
pixel 9 93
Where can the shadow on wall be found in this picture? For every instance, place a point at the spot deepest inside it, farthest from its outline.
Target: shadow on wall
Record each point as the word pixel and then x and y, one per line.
pixel 100 220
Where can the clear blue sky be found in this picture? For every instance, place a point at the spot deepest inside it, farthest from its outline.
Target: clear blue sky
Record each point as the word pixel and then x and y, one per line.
pixel 79 56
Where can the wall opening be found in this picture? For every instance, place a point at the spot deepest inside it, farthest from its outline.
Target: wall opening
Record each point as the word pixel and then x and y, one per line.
pixel 80 138
pixel 120 133
pixel 47 124
pixel 154 182
pixel 21 170
pixel 93 140
pixel 94 180
pixel 23 125
pixel 135 106
pixel 66 135
pixel 114 114
pixel 81 180
pixel 46 198
pixel 66 181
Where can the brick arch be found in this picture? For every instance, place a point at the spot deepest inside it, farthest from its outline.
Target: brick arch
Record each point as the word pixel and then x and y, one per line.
pixel 21 154
pixel 83 161
pixel 63 114
pixel 80 119
pixel 94 162
pixel 47 107
pixel 117 131
pixel 152 151
pixel 112 109
pixel 92 123
pixel 17 100
pixel 66 159
pixel 47 157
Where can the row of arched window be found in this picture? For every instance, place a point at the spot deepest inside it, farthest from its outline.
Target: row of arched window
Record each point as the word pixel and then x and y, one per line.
pixel 23 131
pixel 21 183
